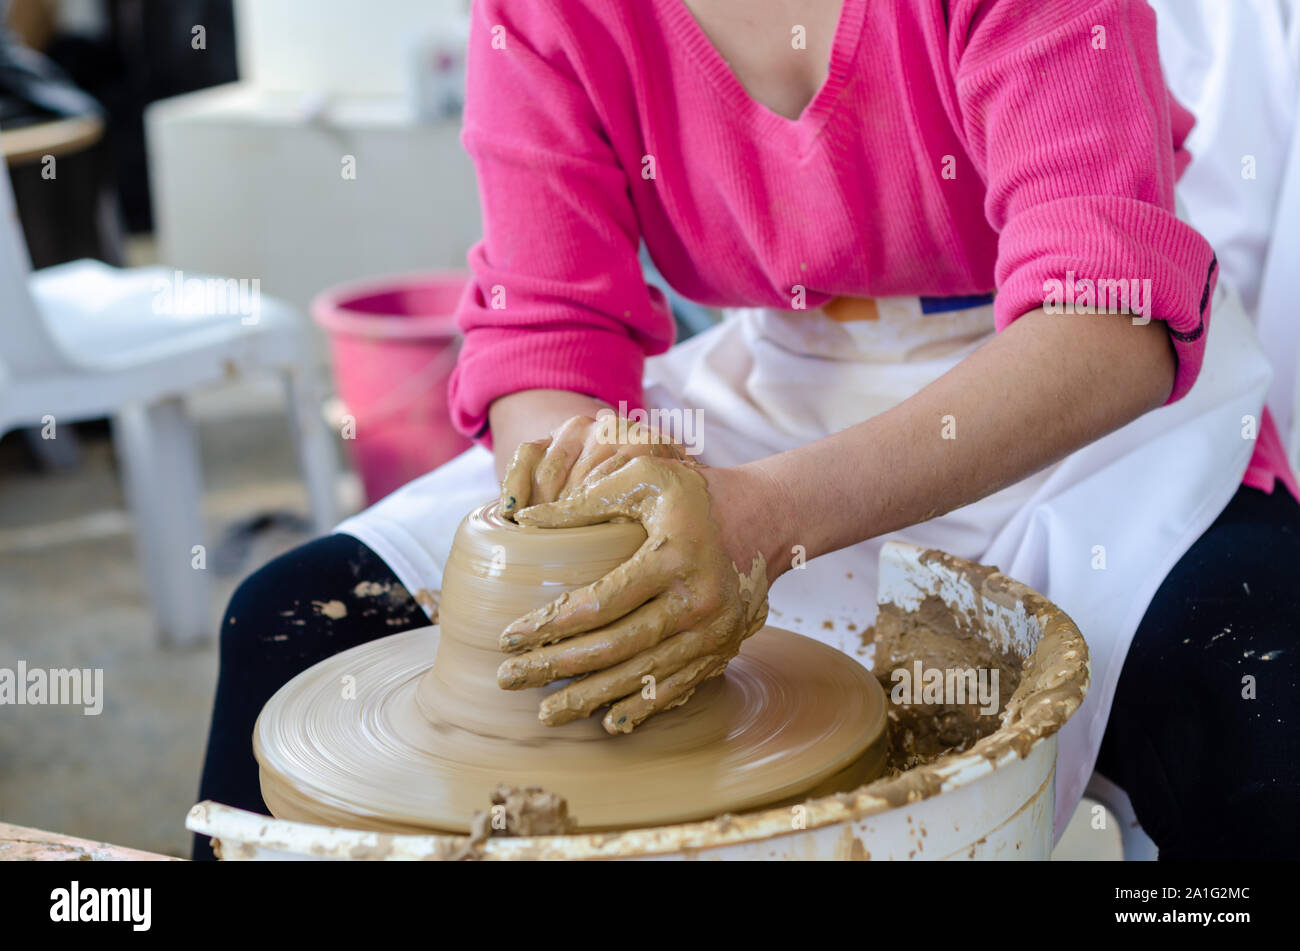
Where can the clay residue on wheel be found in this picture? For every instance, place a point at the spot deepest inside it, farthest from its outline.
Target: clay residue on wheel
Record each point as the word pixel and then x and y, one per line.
pixel 531 810
pixel 1047 679
pixel 939 639
pixel 517 810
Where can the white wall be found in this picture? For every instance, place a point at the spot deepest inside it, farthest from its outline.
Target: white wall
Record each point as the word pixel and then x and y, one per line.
pixel 335 46
pixel 246 178
pixel 246 185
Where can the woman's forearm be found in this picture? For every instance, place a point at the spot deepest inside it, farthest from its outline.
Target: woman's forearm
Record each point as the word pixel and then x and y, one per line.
pixel 1042 388
pixel 531 414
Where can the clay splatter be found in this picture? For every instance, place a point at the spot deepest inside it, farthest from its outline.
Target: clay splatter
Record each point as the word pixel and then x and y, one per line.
pixel 334 610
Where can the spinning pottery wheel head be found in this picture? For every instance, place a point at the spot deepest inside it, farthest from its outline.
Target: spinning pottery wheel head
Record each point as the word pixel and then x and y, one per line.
pixel 425 734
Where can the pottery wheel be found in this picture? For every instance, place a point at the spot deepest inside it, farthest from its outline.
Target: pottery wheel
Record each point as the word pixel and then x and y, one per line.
pixel 791 717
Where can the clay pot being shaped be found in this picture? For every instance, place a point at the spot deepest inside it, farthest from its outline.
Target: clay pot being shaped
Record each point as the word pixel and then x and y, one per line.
pixel 427 734
pixel 498 571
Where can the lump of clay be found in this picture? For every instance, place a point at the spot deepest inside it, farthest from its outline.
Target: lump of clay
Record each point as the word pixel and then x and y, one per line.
pixel 518 810
pixel 937 638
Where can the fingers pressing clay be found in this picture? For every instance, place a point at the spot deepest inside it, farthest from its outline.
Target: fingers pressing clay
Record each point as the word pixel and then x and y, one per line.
pixel 609 598
pixel 670 692
pixel 601 444
pixel 642 629
pixel 619 494
pixel 574 511
pixel 566 449
pixel 580 451
pixel 615 462
pixel 622 457
pixel 696 588
pixel 517 486
pixel 582 697
pixel 678 610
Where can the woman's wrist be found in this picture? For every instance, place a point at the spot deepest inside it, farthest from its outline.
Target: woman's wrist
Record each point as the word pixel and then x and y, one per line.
pixel 753 511
pixel 532 414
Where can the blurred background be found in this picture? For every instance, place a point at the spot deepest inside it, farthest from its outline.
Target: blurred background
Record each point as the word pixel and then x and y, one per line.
pixel 232 235
pixel 296 147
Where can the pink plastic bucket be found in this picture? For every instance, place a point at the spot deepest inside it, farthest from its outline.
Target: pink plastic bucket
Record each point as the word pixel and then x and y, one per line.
pixel 394 342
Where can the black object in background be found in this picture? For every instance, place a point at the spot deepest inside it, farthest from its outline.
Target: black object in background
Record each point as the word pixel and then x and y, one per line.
pixel 67 211
pixel 146 55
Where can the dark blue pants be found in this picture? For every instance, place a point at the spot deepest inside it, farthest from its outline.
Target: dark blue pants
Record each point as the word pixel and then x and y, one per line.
pixel 1202 734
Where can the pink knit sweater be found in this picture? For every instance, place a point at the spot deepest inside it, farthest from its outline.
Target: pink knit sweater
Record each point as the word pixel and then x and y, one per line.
pixel 957 147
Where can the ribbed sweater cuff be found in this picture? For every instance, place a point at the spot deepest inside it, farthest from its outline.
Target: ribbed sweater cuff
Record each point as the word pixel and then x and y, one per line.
pixel 498 361
pixel 1109 238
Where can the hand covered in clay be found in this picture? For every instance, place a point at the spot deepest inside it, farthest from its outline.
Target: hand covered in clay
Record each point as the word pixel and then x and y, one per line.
pixel 676 611
pixel 547 469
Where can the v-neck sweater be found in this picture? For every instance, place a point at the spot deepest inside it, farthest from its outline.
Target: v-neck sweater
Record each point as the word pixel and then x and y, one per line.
pixel 956 147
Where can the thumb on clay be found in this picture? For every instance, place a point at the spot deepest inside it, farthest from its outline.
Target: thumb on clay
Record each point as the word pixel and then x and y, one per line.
pixel 579 509
pixel 617 495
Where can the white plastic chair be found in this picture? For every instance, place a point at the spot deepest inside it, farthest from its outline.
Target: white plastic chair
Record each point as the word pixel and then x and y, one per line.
pixel 84 340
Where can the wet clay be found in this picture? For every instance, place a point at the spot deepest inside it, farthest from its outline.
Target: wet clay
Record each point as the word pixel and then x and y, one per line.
pixel 1046 655
pixel 515 810
pixel 412 732
pixel 538 473
pixel 676 611
pixel 940 639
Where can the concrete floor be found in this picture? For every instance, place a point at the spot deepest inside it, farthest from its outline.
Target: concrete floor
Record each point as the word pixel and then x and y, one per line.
pixel 72 597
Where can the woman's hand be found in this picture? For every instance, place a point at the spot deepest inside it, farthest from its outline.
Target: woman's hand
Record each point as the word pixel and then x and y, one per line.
pixel 545 469
pixel 644 636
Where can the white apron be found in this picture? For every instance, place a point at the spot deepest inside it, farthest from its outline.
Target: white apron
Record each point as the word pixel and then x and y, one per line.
pixel 770 380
